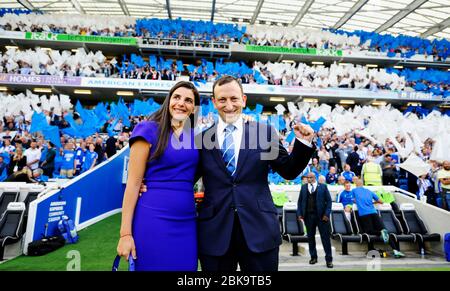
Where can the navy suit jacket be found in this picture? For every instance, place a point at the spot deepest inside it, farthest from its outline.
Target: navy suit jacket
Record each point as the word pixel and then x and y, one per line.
pixel 323 201
pixel 247 192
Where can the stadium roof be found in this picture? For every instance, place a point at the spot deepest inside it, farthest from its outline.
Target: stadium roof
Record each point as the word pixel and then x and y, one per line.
pixel 426 18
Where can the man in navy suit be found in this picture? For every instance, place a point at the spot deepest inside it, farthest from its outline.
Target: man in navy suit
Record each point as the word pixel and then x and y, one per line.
pixel 237 220
pixel 314 207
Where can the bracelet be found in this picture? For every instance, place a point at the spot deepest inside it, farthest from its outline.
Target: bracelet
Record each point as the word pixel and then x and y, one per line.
pixel 128 234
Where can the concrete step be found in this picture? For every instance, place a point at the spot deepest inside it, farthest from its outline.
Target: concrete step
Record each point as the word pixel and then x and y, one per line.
pixel 304 248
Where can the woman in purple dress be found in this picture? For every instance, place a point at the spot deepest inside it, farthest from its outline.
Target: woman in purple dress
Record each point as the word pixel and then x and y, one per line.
pixel 159 228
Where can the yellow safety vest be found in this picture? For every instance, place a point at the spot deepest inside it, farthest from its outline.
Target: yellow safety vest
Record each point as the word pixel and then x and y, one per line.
pixel 372 174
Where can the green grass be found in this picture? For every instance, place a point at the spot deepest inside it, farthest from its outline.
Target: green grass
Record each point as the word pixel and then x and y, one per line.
pixel 97 247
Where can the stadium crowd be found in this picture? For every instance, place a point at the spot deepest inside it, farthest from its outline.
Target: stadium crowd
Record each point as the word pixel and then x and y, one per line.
pixel 120 26
pixel 34 154
pixel 262 35
pixel 344 153
pixel 82 64
pixel 345 157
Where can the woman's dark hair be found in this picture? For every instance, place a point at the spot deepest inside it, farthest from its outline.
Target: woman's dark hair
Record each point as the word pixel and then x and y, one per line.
pixel 163 118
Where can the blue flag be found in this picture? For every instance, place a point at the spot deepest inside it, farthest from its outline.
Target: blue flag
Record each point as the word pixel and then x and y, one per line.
pixel 51 133
pixel 314 125
pixel 38 122
pixel 290 137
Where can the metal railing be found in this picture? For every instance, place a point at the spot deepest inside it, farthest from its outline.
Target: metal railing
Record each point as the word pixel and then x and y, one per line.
pixel 186 43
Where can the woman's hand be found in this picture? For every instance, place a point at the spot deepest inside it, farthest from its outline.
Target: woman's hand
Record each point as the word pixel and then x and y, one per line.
pixel 142 189
pixel 126 246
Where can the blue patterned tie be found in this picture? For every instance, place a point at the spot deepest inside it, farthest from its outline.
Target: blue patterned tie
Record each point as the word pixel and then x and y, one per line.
pixel 228 149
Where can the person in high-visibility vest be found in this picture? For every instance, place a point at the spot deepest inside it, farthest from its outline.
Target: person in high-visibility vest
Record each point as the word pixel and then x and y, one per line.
pixel 371 173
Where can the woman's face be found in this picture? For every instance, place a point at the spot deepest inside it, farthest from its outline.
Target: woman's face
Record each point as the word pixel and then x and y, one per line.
pixel 182 104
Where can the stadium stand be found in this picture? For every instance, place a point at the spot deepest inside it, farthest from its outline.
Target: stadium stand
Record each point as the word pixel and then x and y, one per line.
pixel 102 54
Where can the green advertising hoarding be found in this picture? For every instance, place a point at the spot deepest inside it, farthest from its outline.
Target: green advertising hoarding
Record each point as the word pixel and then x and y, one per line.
pixel 48 36
pixel 299 51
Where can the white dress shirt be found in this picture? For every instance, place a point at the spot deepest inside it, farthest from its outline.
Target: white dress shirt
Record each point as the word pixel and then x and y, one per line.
pixel 312 187
pixel 237 135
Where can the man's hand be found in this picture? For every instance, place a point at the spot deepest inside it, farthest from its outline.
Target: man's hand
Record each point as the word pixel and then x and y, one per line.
pixel 300 218
pixel 304 131
pixel 325 218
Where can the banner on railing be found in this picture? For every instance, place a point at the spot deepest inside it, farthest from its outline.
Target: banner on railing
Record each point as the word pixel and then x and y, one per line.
pixel 206 88
pixel 48 36
pixel 39 80
pixel 298 51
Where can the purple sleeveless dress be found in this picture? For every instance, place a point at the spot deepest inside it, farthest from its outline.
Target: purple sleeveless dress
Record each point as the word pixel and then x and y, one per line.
pixel 164 223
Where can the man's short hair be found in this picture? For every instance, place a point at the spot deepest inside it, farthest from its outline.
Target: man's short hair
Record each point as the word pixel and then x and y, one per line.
pixel 347 182
pixel 225 80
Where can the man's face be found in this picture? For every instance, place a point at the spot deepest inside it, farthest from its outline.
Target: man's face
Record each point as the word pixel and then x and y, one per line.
pixel 33 145
pixel 229 101
pixel 348 186
pixel 332 170
pixel 311 178
pixel 446 165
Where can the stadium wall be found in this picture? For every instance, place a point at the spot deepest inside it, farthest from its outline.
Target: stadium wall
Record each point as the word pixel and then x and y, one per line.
pixel 87 199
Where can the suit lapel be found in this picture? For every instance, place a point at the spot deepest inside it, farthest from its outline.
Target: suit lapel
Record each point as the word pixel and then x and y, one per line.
pixel 216 150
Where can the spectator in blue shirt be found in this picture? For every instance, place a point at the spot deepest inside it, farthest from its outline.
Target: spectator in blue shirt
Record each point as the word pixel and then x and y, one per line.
pixel 68 161
pixel 348 174
pixel 332 176
pixel 89 159
pixel 347 198
pixel 80 153
pixel 368 217
pixel 3 169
